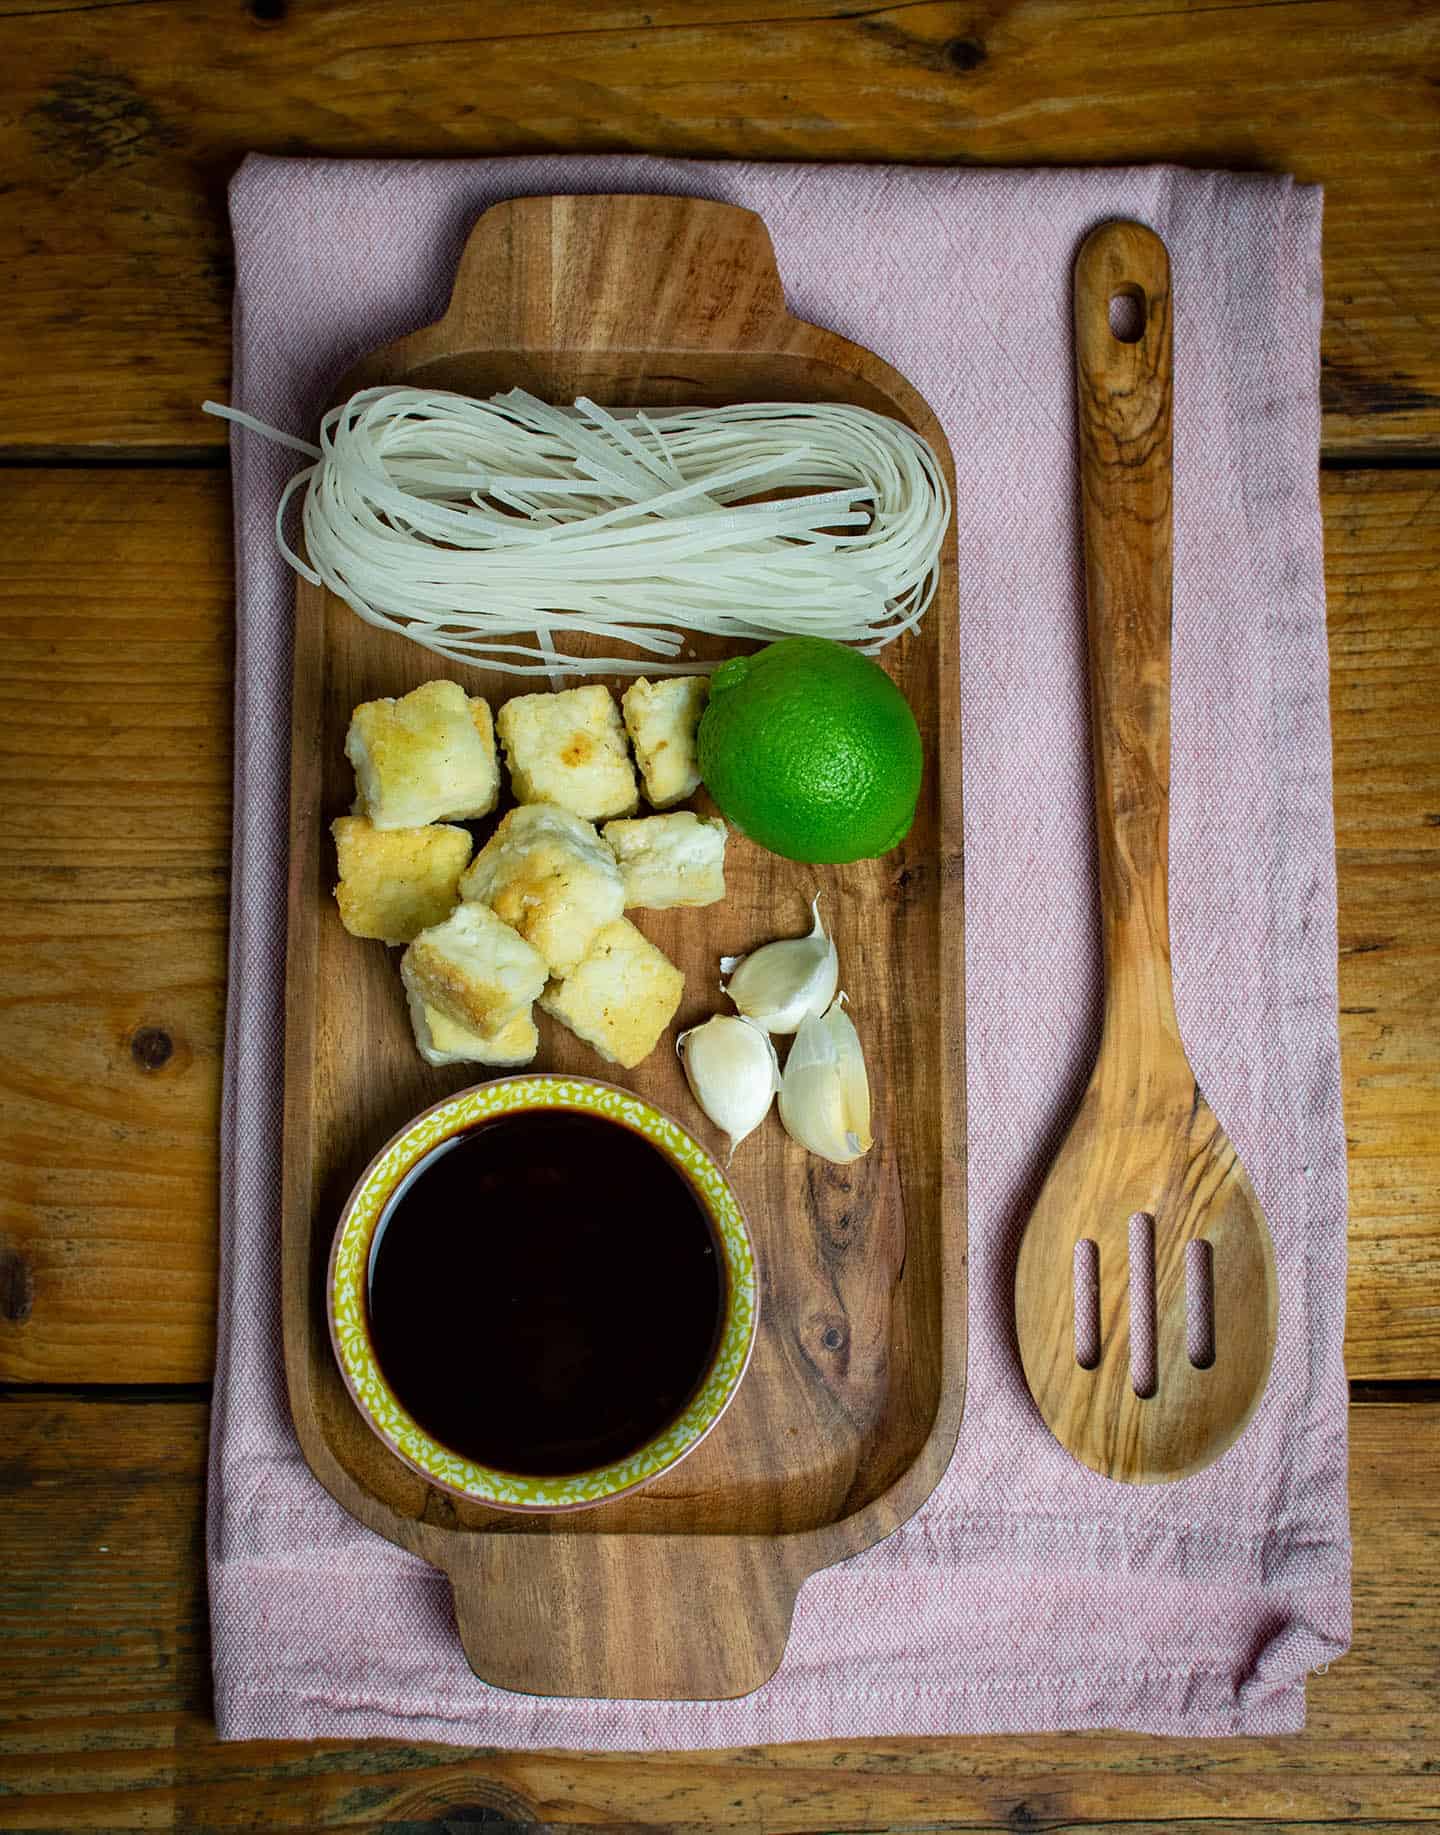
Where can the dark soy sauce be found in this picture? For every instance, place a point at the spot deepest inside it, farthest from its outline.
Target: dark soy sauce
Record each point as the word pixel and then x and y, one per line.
pixel 546 1293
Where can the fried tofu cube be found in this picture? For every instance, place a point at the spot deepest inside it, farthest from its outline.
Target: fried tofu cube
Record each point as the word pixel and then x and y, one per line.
pixel 674 859
pixel 396 882
pixel 441 1041
pixel 427 757
pixel 552 878
pixel 662 718
pixel 622 996
pixel 474 970
pixel 569 749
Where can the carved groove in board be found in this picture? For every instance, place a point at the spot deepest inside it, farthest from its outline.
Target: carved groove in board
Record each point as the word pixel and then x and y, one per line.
pixel 1087 1302
pixel 1140 1267
pixel 1200 1304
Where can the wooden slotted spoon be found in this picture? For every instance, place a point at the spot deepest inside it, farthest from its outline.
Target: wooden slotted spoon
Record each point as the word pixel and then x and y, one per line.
pixel 1145 1144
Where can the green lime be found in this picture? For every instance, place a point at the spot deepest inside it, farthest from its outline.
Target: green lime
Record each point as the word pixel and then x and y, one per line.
pixel 810 749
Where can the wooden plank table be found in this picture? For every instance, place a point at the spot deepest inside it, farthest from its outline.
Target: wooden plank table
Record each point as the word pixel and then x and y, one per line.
pixel 119 124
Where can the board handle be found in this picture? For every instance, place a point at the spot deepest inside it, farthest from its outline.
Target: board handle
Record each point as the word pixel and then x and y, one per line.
pixel 618 275
pixel 1124 393
pixel 623 1617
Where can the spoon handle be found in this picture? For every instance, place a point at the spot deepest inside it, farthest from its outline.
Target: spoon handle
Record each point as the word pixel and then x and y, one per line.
pixel 1124 392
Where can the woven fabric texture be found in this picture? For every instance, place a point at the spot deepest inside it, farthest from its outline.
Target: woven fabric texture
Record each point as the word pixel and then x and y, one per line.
pixel 1028 1593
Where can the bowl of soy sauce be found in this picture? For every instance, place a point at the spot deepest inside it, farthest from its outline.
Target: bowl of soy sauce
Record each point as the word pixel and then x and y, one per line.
pixel 542 1293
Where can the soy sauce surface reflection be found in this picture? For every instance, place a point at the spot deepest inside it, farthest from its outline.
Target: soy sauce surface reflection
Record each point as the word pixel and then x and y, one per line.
pixel 546 1294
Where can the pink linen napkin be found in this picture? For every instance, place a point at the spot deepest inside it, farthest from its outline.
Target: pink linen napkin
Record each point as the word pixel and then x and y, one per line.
pixel 1028 1593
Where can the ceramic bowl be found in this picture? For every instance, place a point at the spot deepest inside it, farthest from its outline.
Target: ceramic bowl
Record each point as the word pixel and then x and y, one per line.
pixel 350 1261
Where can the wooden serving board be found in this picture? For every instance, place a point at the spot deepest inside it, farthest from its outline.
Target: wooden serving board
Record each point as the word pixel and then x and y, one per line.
pixel 852 1404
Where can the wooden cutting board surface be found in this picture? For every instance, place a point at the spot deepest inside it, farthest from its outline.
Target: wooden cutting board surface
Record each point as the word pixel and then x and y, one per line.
pixel 852 1404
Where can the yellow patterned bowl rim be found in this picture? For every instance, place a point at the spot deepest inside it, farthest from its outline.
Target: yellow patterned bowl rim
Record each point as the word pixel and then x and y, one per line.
pixel 349 1273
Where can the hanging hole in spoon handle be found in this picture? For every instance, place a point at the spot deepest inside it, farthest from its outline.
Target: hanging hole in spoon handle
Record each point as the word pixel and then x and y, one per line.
pixel 1127 314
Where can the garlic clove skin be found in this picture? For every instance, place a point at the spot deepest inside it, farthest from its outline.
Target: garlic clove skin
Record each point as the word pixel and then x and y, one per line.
pixel 733 1073
pixel 825 1092
pixel 781 985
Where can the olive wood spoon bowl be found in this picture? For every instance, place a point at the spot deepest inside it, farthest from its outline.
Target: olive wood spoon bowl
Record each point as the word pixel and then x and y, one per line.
pixel 1145 1160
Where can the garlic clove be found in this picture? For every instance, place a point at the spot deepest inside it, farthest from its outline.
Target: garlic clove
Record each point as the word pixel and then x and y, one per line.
pixel 781 985
pixel 825 1092
pixel 733 1073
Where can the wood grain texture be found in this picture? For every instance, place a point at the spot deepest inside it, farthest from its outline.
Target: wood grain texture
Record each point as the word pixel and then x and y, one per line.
pixel 146 888
pixel 1144 1143
pixel 849 1412
pixel 115 659
pixel 123 124
pixel 105 1716
pixel 1382 536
